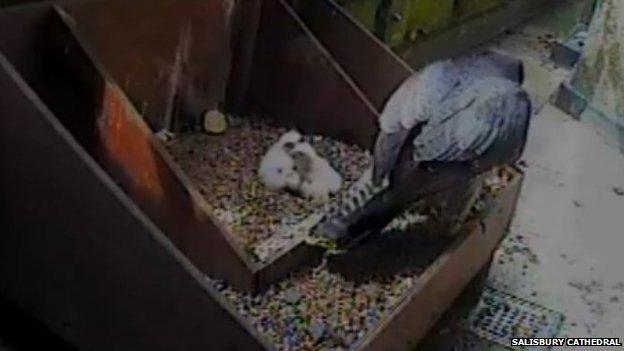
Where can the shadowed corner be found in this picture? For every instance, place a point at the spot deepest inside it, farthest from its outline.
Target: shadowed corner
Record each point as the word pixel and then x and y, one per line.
pixel 394 252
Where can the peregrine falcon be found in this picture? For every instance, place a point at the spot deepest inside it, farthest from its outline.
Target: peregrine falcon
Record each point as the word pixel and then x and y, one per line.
pixel 439 131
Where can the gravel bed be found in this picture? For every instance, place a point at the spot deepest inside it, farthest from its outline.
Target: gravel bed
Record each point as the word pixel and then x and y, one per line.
pixel 224 169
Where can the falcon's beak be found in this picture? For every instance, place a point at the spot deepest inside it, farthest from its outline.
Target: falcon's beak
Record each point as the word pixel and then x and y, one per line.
pixel 377 177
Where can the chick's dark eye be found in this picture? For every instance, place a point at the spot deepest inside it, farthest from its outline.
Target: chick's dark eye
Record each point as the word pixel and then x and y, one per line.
pixel 280 171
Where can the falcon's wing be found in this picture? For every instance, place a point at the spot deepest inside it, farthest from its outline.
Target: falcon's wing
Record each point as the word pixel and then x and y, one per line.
pixel 500 111
pixel 387 150
pixel 413 103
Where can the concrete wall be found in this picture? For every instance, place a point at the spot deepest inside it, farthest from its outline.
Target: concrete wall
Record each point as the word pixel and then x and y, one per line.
pixel 399 22
pixel 600 74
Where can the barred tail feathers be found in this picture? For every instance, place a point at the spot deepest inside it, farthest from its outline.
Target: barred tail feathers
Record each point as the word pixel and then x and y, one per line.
pixel 357 195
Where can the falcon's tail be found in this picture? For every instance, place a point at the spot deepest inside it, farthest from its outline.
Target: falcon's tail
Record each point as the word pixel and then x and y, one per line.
pixel 358 194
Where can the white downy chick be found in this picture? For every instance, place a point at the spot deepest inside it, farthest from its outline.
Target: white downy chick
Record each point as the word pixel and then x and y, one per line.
pixel 277 170
pixel 318 178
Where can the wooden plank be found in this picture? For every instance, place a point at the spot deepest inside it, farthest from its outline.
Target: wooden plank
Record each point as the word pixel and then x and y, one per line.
pixel 295 80
pixel 137 40
pixel 245 27
pixel 375 69
pixel 134 157
pixel 78 254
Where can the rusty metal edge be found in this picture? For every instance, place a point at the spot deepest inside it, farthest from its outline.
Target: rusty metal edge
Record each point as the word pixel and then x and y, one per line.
pixel 154 232
pixel 417 313
pixel 471 33
pixel 162 152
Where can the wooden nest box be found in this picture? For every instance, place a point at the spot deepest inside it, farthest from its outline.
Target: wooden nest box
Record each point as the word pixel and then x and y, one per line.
pixel 108 241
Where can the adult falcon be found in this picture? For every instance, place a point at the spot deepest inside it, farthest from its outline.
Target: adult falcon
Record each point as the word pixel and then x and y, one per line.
pixel 439 132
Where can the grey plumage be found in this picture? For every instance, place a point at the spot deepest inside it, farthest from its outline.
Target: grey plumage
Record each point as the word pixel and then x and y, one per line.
pixel 461 108
pixel 496 109
pixel 453 121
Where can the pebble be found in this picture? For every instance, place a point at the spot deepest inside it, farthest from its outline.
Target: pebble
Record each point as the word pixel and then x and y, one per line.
pixel 215 122
pixel 317 330
pixel 292 296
